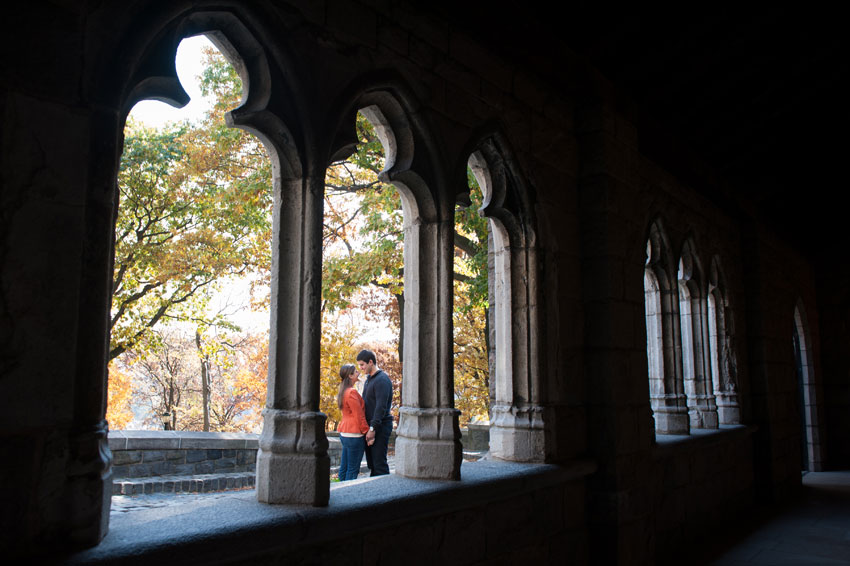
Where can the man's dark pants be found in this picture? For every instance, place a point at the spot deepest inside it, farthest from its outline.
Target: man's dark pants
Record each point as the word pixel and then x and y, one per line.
pixel 376 455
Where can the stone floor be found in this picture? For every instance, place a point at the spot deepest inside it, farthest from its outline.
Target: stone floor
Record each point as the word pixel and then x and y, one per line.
pixel 812 530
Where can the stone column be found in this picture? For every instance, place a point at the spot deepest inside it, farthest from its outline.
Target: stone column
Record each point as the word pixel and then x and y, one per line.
pixel 671 408
pixel 428 436
pixel 706 405
pixel 88 490
pixel 292 460
pixel 517 423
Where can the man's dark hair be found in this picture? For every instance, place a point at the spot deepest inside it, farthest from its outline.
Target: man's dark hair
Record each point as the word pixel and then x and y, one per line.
pixel 367 356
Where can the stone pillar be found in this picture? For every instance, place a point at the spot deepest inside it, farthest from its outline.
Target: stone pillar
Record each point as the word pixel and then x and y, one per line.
pixel 671 408
pixel 728 410
pixel 702 408
pixel 517 424
pixel 88 488
pixel 292 461
pixel 428 437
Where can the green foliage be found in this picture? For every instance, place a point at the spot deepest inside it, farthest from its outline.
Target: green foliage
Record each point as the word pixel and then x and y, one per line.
pixel 195 208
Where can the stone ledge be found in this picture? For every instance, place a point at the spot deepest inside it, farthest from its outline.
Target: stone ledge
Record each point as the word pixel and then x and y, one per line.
pixel 180 440
pixel 666 444
pixel 239 521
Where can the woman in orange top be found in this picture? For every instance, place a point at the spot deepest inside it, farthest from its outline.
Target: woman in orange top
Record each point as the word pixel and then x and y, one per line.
pixel 353 426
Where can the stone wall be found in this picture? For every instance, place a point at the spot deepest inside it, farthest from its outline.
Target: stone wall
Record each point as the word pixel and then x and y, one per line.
pixel 137 454
pixel 501 513
pixel 699 482
pixel 142 453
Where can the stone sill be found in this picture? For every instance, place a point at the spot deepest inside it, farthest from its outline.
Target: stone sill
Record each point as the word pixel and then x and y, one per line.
pixel 668 444
pixel 180 440
pixel 211 530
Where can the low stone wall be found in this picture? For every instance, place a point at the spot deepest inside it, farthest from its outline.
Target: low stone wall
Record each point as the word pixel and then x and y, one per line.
pixel 149 453
pixel 142 453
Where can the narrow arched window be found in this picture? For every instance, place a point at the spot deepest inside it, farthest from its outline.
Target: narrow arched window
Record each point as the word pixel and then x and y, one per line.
pixel 723 361
pixel 667 396
pixel 693 317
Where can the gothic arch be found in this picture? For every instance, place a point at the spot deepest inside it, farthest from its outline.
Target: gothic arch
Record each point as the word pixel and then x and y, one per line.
pixel 428 434
pixel 520 417
pixel 292 463
pixel 667 395
pixel 723 360
pixel 693 317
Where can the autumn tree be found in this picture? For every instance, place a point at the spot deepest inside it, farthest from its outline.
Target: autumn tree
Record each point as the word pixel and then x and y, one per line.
pixel 119 412
pixel 195 209
pixel 167 379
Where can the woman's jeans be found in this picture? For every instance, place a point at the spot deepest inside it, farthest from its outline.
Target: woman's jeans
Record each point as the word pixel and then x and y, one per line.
pixel 352 455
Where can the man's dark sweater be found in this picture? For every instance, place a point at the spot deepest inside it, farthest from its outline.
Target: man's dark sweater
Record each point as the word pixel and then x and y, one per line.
pixel 378 396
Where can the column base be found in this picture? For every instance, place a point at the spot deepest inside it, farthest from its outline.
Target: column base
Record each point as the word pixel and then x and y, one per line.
pixel 292 461
pixel 671 414
pixel 728 410
pixel 428 444
pixel 88 493
pixel 517 433
pixel 703 412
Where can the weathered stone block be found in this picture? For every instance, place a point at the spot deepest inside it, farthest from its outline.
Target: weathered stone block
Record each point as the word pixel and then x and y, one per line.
pixel 120 471
pixel 463 538
pixel 183 469
pixel 193 456
pixel 139 471
pixel 153 456
pixel 206 467
pixel 122 457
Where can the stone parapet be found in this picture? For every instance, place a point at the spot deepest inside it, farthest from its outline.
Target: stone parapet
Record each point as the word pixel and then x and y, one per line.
pixel 140 453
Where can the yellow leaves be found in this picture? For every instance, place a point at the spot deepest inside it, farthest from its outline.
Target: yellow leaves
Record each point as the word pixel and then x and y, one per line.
pixel 118 411
pixel 337 349
pixel 472 384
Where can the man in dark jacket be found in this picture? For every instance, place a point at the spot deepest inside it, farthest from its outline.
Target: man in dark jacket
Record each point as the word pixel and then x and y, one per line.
pixel 378 397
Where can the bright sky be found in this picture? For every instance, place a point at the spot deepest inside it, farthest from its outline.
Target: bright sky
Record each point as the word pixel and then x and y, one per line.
pixel 154 113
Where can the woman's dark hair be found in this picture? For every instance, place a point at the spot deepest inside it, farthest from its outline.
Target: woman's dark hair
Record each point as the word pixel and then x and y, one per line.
pixel 345 373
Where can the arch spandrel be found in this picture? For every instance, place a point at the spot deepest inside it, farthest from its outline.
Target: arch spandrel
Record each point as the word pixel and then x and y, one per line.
pixel 270 109
pixel 412 158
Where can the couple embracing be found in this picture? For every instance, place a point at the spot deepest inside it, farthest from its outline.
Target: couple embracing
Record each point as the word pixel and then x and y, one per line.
pixel 366 421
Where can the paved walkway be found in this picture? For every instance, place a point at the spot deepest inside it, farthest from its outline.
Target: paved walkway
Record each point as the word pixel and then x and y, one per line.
pixel 813 530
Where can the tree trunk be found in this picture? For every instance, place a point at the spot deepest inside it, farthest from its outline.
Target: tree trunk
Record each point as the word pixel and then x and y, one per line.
pixel 205 385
